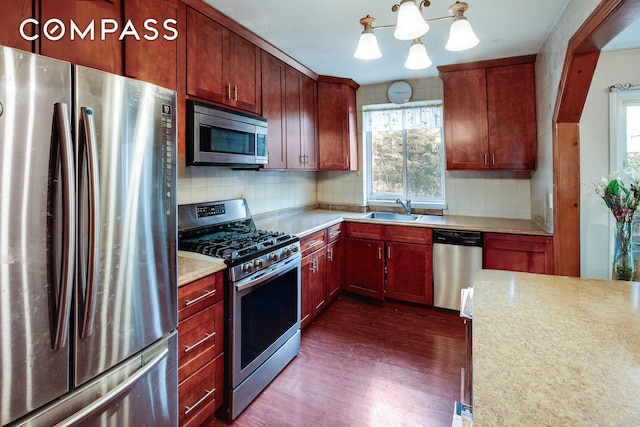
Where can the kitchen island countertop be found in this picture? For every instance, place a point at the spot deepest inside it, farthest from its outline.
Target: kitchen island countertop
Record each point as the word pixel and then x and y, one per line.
pixel 551 350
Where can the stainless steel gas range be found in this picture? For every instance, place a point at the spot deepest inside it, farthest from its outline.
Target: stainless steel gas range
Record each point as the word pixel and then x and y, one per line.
pixel 262 299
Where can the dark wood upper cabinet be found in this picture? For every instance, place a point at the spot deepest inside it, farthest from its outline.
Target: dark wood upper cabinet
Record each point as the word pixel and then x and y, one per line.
pixel 465 119
pixel 222 67
pixel 337 128
pixel 207 71
pixel 12 14
pixel 273 107
pixel 309 122
pixel 489 114
pixel 105 55
pixel 300 120
pixel 511 98
pixel 293 118
pixel 154 58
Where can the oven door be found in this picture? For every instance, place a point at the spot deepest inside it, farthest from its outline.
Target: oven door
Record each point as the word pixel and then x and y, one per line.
pixel 265 315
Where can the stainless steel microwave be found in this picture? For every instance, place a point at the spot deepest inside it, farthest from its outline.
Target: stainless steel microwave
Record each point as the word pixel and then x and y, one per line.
pixel 221 137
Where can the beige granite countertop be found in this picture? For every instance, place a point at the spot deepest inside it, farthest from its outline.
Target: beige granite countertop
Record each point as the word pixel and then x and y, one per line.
pixel 193 266
pixel 310 221
pixel 555 351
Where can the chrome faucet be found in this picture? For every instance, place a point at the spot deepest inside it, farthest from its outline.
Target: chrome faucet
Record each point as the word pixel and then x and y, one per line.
pixel 406 206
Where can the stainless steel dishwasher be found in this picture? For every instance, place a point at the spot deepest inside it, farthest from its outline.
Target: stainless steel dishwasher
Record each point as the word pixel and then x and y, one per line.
pixel 457 255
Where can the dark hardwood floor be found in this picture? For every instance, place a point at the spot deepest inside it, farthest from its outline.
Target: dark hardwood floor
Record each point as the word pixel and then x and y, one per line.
pixel 365 364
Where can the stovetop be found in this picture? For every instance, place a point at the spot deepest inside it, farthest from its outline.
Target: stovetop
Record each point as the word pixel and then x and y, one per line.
pixel 235 244
pixel 226 230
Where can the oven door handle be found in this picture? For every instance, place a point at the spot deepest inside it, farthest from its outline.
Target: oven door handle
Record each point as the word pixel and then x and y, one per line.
pixel 250 281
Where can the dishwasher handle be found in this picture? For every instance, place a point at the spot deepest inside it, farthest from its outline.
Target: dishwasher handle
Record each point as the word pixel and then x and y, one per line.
pixel 457 237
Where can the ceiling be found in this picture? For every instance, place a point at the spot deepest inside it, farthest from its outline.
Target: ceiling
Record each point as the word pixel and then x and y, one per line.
pixel 323 35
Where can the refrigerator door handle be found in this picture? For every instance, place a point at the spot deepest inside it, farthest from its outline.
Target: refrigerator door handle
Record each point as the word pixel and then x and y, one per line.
pixel 89 141
pixel 80 416
pixel 63 132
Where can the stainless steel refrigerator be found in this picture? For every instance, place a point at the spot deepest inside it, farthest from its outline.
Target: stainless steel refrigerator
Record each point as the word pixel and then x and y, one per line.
pixel 88 261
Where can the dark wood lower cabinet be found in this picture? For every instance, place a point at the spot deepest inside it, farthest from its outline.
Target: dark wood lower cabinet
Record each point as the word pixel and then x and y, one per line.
pixel 514 252
pixel 365 267
pixel 313 293
pixel 409 272
pixel 319 282
pixel 200 350
pixel 467 379
pixel 390 262
pixel 335 268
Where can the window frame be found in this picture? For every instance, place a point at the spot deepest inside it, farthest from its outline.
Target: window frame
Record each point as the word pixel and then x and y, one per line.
pixel 619 95
pixel 380 199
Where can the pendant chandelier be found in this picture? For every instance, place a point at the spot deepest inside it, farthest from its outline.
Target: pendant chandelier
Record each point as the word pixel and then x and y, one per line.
pixel 412 26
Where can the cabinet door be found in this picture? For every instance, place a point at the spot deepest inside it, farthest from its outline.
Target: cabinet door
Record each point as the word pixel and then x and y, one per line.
pixel 335 269
pixel 511 98
pixel 12 13
pixel 337 134
pixel 532 254
pixel 105 55
pixel 201 394
pixel 273 108
pixel 409 272
pixel 465 119
pixel 319 282
pixel 200 339
pixel 156 60
pixel 293 124
pixel 306 278
pixel 309 120
pixel 207 66
pixel 244 74
pixel 365 267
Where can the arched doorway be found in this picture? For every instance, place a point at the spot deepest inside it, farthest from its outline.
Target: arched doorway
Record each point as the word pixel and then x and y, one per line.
pixel 583 51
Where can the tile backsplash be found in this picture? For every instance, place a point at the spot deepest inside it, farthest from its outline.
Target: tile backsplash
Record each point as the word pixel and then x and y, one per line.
pixel 265 191
pixel 492 194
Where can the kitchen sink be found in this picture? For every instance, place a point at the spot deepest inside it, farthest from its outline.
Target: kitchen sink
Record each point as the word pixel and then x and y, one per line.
pixel 392 216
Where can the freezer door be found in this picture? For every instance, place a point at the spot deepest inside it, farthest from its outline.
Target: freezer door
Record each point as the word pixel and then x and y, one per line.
pixel 143 391
pixel 126 281
pixel 36 226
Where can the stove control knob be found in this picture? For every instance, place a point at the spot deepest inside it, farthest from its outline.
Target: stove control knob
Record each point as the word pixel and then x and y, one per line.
pixel 273 257
pixel 286 252
pixel 247 268
pixel 258 264
pixel 294 248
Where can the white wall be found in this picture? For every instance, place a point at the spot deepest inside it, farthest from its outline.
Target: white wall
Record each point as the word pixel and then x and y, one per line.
pixel 495 194
pixel 595 217
pixel 549 64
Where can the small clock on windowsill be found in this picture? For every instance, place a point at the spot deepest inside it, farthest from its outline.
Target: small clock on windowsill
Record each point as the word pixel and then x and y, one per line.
pixel 399 92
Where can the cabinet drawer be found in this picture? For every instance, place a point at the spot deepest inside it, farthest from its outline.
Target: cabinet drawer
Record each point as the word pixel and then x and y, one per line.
pixel 200 339
pixel 199 294
pixel 420 235
pixel 312 242
pixel 201 394
pixel 334 232
pixel 365 231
